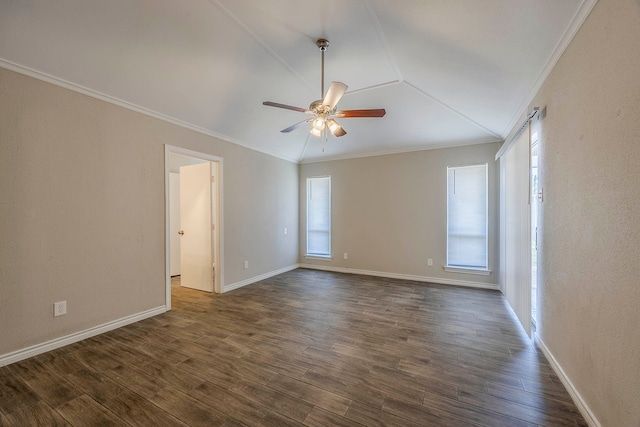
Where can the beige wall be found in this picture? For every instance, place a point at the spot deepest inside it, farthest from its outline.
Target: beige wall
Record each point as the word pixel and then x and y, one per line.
pixel 590 272
pixel 82 210
pixel 389 212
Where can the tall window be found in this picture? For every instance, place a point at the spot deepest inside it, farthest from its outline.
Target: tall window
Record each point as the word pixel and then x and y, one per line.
pixel 467 242
pixel 319 216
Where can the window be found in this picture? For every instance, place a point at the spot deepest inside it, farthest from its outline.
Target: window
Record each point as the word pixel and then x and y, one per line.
pixel 467 243
pixel 319 216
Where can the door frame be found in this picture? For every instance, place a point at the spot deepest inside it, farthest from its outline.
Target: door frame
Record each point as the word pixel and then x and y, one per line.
pixel 219 231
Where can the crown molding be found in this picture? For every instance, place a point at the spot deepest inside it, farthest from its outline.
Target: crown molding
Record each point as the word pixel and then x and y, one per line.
pixel 56 81
pixel 399 151
pixel 576 23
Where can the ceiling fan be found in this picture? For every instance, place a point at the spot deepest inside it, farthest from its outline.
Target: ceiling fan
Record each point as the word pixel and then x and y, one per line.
pixel 324 110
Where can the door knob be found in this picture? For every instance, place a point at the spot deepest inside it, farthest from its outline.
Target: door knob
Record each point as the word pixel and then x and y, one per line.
pixel 181 232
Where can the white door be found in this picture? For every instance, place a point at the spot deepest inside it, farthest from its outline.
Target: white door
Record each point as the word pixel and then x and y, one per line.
pixel 196 256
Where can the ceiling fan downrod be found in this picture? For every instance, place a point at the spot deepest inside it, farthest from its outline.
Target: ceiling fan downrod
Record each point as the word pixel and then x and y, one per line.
pixel 322 45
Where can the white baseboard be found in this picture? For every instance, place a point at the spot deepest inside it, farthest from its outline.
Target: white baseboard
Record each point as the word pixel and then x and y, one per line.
pixel 438 280
pixel 34 350
pixel 255 279
pixel 589 417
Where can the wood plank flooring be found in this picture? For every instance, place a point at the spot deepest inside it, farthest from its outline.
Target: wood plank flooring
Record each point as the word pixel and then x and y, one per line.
pixel 303 348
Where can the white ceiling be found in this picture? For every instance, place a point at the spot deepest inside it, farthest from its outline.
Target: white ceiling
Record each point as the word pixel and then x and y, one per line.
pixel 447 72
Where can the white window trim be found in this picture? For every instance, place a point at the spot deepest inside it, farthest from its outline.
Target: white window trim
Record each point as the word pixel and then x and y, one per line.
pixel 319 257
pixel 307 254
pixel 477 271
pixel 470 270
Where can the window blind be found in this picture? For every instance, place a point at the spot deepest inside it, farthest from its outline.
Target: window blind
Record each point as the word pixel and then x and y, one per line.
pixel 515 278
pixel 467 243
pixel 319 216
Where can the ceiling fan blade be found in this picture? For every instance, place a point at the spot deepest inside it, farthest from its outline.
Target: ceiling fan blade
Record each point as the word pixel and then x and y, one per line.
pixel 296 126
pixel 335 92
pixel 286 107
pixel 347 114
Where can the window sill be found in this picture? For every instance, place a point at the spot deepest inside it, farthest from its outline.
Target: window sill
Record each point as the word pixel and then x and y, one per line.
pixel 479 272
pixel 319 257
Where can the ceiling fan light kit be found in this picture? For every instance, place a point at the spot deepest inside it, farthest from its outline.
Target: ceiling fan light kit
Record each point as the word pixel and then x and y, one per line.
pixel 324 110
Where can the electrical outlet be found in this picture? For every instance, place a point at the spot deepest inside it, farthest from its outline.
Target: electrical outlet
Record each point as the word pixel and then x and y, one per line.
pixel 345 255
pixel 246 265
pixel 285 231
pixel 430 262
pixel 59 308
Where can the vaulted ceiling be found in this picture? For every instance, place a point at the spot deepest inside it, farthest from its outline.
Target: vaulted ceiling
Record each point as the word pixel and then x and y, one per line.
pixel 447 72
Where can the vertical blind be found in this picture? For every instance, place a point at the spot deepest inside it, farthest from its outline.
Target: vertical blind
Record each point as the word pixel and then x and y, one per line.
pixel 319 216
pixel 467 244
pixel 515 247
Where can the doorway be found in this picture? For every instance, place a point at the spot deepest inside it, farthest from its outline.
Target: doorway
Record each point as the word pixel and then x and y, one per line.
pixel 202 270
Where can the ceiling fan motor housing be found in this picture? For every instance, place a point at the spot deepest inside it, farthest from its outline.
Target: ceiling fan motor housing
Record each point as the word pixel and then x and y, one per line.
pixel 317 107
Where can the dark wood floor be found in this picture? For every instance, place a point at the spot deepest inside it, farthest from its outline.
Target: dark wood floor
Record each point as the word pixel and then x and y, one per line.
pixel 303 348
